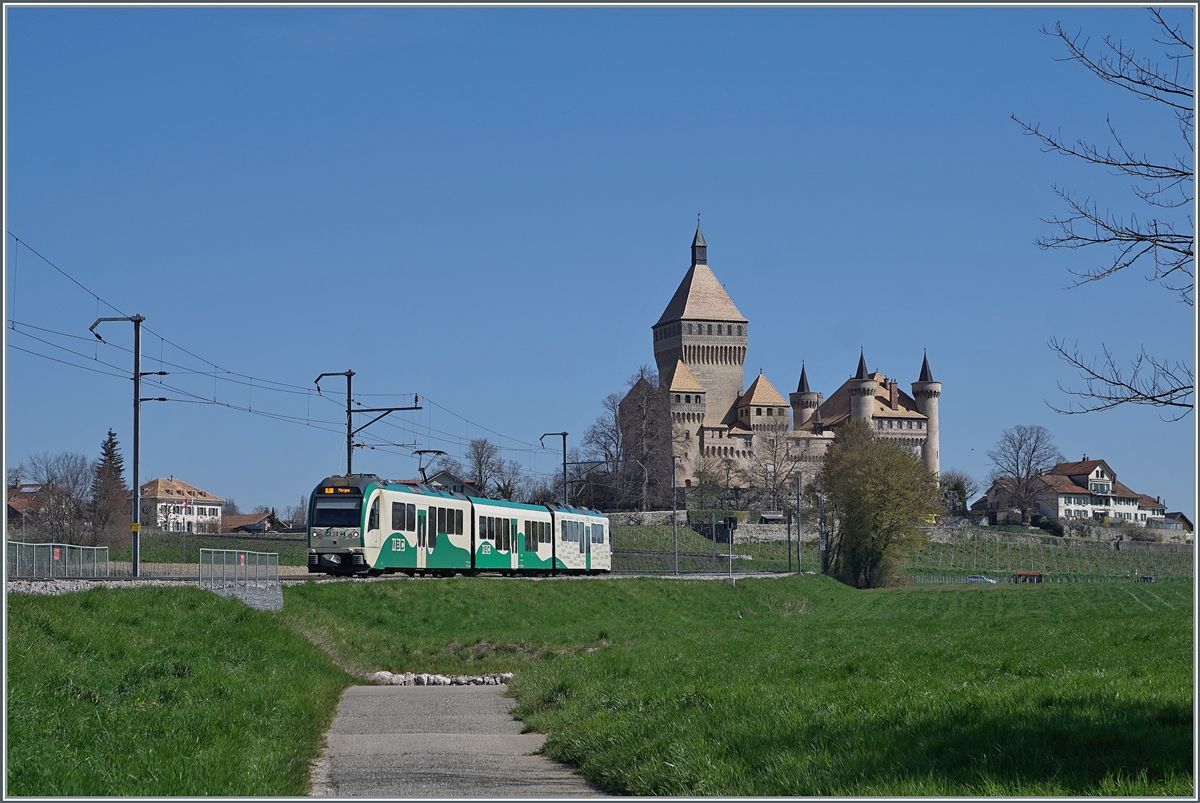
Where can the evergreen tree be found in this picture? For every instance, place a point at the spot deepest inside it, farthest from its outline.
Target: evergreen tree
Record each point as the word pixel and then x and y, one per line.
pixel 110 495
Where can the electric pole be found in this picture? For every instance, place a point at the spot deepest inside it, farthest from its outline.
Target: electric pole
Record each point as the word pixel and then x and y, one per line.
pixel 350 431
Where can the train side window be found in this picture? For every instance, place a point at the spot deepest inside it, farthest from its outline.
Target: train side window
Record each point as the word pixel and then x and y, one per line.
pixel 564 531
pixel 458 522
pixel 373 519
pixel 412 518
pixel 398 517
pixel 441 525
pixel 483 526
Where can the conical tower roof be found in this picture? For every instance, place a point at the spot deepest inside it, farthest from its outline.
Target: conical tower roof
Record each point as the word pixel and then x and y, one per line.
pixel 701 297
pixel 803 386
pixel 926 374
pixel 761 391
pixel 862 367
pixel 684 381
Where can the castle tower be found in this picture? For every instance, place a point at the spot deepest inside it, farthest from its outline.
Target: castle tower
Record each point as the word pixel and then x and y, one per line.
pixel 925 393
pixel 862 390
pixel 804 401
pixel 703 329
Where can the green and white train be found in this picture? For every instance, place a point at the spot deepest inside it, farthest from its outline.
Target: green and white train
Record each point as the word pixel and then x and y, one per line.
pixel 360 524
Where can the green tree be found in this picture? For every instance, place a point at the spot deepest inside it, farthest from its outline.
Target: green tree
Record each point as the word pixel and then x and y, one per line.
pixel 109 493
pixel 878 494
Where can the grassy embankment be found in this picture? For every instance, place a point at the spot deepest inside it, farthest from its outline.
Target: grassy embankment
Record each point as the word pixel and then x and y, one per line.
pixel 801 686
pixel 156 692
pixel 780 686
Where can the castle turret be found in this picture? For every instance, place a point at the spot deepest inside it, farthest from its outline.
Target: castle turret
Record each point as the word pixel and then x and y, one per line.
pixel 862 388
pixel 925 393
pixel 703 329
pixel 804 401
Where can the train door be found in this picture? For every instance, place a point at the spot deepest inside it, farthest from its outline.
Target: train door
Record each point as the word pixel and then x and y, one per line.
pixel 373 526
pixel 585 544
pixel 421 538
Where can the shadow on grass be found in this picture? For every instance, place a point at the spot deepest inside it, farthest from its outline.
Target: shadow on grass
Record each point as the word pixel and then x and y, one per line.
pixel 1054 745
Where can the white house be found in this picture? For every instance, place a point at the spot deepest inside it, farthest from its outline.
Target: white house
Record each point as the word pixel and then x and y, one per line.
pixel 176 506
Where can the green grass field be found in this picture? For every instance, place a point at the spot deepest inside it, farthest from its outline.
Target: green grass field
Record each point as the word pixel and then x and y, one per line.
pixel 801 686
pixel 167 547
pixel 158 692
pixel 779 686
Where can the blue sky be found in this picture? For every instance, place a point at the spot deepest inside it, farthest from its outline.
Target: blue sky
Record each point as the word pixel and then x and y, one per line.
pixel 491 207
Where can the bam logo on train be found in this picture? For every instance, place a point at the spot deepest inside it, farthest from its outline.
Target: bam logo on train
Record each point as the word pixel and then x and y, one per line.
pixel 360 524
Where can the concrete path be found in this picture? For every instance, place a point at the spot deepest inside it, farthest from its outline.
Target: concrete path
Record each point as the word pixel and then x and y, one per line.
pixel 436 741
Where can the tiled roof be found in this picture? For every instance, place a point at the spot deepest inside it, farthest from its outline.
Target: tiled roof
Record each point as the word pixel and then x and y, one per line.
pixel 1148 501
pixel 684 380
pixel 700 296
pixel 229 523
pixel 1122 490
pixel 1082 468
pixel 160 488
pixel 761 391
pixel 1063 485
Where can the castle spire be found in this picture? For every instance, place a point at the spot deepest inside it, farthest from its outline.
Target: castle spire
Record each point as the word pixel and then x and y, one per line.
pixel 699 247
pixel 862 366
pixel 803 386
pixel 926 374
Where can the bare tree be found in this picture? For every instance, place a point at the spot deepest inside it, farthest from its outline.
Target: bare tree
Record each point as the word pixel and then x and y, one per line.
pixel 483 464
pixel 645 422
pixel 771 468
pixel 1163 239
pixel 1022 455
pixel 230 508
pixel 297 515
pixel 957 489
pixel 66 478
pixel 510 482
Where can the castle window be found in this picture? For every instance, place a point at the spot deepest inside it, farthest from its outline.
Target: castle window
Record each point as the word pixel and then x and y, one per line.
pixel 920 425
pixel 758 411
pixel 687 399
pixel 910 425
pixel 710 328
pixel 718 328
pixel 879 424
pixel 890 424
pixel 739 331
pixel 677 398
pixel 689 328
pixel 770 411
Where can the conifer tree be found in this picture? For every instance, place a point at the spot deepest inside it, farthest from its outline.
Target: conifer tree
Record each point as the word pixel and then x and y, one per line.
pixel 109 492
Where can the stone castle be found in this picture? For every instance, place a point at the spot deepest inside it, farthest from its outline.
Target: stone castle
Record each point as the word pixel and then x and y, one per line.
pixel 700 344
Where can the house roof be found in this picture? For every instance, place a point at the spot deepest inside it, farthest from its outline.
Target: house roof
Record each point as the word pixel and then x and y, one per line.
pixel 1063 485
pixel 1123 490
pixel 700 296
pixel 27 498
pixel 684 380
pixel 1178 516
pixel 172 488
pixel 243 520
pixel 1083 468
pixel 762 392
pixel 1145 501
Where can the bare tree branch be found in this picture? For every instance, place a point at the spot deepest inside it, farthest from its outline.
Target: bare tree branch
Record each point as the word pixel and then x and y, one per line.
pixel 1148 381
pixel 1161 183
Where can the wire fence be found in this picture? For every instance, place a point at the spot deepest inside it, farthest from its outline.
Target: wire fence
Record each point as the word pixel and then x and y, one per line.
pixel 36 561
pixel 958 578
pixel 986 552
pixel 651 549
pixel 252 577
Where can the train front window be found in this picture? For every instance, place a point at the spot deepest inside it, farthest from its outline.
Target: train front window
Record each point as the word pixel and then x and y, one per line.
pixel 337 512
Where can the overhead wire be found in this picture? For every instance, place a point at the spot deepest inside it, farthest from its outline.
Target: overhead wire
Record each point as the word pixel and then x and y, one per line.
pixel 239 378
